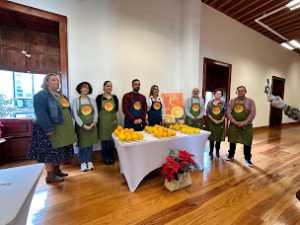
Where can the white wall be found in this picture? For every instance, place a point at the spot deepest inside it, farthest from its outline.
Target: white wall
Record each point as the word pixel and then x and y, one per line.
pixel 120 40
pixel 190 45
pixel 159 42
pixel 253 57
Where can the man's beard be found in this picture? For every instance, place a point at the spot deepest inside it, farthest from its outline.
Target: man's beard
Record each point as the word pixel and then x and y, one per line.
pixel 136 89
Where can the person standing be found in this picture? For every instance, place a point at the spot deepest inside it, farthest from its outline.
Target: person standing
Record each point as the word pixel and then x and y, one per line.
pixel 155 107
pixel 86 116
pixel 134 107
pixel 53 133
pixel 215 112
pixel 290 111
pixel 194 110
pixel 241 112
pixel 108 106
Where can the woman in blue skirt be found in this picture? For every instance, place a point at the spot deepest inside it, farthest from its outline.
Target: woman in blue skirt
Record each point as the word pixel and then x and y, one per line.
pixel 53 132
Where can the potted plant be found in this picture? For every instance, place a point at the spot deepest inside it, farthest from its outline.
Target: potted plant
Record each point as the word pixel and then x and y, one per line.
pixel 177 170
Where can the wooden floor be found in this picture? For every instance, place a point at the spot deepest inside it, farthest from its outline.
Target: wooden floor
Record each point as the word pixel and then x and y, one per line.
pixel 224 193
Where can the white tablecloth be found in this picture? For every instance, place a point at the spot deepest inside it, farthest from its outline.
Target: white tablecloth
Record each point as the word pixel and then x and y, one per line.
pixel 17 186
pixel 137 159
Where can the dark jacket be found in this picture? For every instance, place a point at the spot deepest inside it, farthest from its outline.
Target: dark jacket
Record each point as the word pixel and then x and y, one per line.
pixel 47 111
pixel 99 102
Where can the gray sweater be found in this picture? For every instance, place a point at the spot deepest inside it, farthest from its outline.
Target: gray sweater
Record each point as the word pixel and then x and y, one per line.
pixel 75 109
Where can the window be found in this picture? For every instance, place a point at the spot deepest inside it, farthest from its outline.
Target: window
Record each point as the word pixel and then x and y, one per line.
pixel 16 93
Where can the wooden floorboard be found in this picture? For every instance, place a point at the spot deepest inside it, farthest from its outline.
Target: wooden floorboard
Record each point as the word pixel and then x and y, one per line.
pixel 224 193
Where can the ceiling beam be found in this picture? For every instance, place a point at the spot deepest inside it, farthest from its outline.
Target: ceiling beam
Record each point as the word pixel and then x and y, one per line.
pixel 233 6
pixel 254 9
pixel 264 11
pixel 245 8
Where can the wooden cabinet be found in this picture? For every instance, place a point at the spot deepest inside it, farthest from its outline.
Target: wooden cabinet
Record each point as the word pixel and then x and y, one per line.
pixel 18 135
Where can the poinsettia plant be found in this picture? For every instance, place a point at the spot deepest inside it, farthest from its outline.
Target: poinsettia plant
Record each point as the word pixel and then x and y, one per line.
pixel 177 162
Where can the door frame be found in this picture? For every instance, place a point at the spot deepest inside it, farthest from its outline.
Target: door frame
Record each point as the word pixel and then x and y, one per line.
pixel 207 61
pixel 279 79
pixel 63 41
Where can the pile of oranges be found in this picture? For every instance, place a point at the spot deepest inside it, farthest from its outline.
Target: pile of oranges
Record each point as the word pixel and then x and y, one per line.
pixel 160 131
pixel 125 134
pixel 183 128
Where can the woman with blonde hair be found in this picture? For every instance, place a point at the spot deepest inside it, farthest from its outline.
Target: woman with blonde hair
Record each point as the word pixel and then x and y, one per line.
pixel 53 132
pixel 155 107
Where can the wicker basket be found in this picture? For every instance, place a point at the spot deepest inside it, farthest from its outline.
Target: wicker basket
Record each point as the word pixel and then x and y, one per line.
pixel 184 180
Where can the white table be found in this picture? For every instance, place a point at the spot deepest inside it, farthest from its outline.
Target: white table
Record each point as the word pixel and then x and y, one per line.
pixel 17 186
pixel 137 159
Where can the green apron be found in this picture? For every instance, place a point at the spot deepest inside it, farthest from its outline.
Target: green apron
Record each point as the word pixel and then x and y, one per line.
pixel 240 135
pixel 107 119
pixel 64 134
pixel 217 112
pixel 195 110
pixel 86 138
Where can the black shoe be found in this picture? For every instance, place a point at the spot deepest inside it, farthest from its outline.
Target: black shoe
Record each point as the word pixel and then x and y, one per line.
pixel 61 174
pixel 53 178
pixel 227 158
pixel 106 162
pixel 217 154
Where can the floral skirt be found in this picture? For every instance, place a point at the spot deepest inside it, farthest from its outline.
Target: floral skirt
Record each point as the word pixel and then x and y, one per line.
pixel 42 151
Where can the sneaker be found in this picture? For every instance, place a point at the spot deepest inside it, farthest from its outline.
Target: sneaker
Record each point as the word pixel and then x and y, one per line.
pixel 227 158
pixel 90 165
pixel 83 167
pixel 248 163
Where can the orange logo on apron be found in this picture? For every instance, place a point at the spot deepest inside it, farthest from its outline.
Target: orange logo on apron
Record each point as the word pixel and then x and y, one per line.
pixel 86 110
pixel 195 107
pixel 137 105
pixel 216 110
pixel 64 102
pixel 238 108
pixel 157 105
pixel 108 106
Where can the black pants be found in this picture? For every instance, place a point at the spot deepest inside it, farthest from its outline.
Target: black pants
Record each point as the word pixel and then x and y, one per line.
pixel 247 151
pixel 107 150
pixel 213 144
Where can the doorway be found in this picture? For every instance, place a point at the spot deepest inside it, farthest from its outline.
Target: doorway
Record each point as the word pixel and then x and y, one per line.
pixel 277 90
pixel 216 75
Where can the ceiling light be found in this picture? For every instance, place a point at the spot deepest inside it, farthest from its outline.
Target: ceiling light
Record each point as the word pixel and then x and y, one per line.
pixel 287 46
pixel 294 43
pixel 293 4
pixel 295 7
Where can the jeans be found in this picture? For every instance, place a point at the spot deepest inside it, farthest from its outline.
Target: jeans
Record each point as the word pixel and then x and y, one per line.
pixel 85 154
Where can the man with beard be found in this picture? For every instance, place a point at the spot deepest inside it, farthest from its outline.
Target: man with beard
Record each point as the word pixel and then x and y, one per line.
pixel 134 107
pixel 241 112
